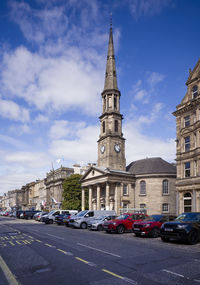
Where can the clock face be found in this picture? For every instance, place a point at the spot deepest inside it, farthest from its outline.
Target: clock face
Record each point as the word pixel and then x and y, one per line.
pixel 103 148
pixel 117 148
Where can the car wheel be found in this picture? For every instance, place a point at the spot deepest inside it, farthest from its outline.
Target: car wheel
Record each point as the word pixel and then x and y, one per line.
pixel 137 235
pixel 165 239
pixel 120 229
pixel 193 237
pixel 155 232
pixel 83 226
pixel 107 231
pixel 100 228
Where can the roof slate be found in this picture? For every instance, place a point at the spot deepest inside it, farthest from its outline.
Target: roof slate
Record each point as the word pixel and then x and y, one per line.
pixel 155 165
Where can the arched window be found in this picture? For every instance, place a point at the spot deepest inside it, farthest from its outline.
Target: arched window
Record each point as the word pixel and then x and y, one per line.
pixel 103 127
pixel 194 91
pixel 165 188
pixel 142 187
pixel 116 126
pixel 187 202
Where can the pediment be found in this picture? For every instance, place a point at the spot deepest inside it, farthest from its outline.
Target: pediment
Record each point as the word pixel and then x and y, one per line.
pixel 194 74
pixel 93 172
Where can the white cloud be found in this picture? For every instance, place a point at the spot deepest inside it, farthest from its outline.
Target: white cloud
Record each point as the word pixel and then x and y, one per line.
pixel 13 142
pixel 140 95
pixel 140 8
pixel 139 146
pixel 155 78
pixel 41 119
pixel 28 159
pixel 81 149
pixel 62 129
pixel 63 83
pixel 12 111
pixel 20 129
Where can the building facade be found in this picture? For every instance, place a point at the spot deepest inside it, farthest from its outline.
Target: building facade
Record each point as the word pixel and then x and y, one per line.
pixel 112 185
pixel 54 186
pixel 188 145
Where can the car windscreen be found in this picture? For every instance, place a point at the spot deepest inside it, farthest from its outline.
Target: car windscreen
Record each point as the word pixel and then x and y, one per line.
pixel 82 213
pixel 122 217
pixel 188 217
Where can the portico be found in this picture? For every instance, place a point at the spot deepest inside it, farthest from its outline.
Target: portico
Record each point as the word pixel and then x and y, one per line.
pixel 106 188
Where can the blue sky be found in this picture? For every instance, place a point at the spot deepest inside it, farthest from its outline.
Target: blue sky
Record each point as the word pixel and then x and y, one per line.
pixel 53 58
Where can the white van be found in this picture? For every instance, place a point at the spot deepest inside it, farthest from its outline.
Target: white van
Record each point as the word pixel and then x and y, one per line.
pixel 50 218
pixel 82 218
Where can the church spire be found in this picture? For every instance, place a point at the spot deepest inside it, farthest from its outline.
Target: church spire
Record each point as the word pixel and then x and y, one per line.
pixel 111 76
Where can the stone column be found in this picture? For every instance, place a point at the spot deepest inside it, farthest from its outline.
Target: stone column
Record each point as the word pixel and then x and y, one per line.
pixel 116 198
pixel 98 197
pixel 194 201
pixel 83 199
pixel 177 203
pixel 107 196
pixel 90 197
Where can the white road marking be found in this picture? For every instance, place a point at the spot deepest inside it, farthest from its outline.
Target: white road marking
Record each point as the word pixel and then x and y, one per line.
pixel 99 250
pixel 55 236
pixel 197 260
pixel 173 273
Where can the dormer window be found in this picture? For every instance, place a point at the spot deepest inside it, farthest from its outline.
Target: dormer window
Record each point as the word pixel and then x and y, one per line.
pixel 194 91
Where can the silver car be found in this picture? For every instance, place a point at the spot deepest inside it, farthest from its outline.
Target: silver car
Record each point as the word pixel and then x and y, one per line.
pixel 97 224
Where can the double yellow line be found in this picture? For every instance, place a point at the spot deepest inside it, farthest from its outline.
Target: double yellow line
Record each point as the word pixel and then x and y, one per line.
pixel 8 274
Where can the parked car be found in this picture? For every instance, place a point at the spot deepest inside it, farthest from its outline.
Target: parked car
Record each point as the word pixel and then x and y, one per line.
pixel 151 225
pixel 59 218
pixel 18 213
pixel 82 218
pixel 123 223
pixel 97 223
pixel 40 215
pixel 50 218
pixel 186 227
pixel 28 214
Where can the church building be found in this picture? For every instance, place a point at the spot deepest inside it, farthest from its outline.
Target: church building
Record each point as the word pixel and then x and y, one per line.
pixel 145 184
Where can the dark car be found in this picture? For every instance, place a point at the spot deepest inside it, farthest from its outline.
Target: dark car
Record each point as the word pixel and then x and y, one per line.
pixel 123 223
pixel 151 225
pixel 18 213
pixel 59 219
pixel 186 227
pixel 28 214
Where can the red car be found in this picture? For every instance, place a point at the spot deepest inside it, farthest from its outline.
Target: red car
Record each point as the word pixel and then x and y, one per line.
pixel 151 225
pixel 123 223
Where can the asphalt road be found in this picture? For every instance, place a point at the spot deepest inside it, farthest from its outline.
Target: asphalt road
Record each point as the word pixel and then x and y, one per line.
pixel 33 253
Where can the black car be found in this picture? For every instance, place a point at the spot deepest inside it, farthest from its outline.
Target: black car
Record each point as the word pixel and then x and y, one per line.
pixel 59 219
pixel 186 227
pixel 28 214
pixel 18 213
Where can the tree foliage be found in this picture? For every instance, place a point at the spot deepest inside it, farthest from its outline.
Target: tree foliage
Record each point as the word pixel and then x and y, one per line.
pixel 72 193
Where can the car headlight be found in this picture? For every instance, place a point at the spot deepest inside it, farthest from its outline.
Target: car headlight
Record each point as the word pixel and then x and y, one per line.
pixel 181 226
pixel 113 224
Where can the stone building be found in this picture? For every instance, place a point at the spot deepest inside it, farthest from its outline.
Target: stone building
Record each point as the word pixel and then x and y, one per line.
pixel 188 145
pixel 154 187
pixel 54 186
pixel 111 185
pixel 1 207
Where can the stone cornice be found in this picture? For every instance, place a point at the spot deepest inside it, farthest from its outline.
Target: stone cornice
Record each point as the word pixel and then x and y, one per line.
pixel 183 108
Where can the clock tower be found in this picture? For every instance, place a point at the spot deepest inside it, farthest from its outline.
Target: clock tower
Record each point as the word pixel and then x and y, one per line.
pixel 111 144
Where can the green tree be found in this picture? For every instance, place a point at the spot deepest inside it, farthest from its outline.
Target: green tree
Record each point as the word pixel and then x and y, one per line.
pixel 72 193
